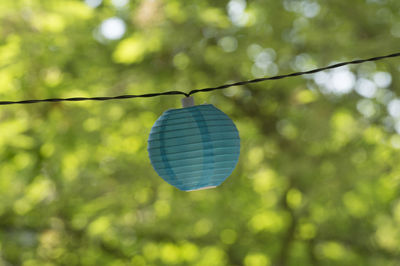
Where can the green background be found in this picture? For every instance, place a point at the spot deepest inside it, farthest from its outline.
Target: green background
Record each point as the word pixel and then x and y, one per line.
pixel 318 177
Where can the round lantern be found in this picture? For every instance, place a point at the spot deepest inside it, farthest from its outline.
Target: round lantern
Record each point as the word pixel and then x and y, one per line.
pixel 195 147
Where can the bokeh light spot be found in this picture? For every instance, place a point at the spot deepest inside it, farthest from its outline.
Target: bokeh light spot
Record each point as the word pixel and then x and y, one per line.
pixel 119 3
pixel 366 88
pixel 113 28
pixel 394 108
pixel 93 3
pixel 382 79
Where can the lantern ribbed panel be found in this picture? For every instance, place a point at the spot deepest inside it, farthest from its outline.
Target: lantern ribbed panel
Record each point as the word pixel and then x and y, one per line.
pixel 194 147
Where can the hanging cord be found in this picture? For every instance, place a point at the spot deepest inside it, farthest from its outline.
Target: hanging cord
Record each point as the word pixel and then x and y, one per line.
pixel 77 99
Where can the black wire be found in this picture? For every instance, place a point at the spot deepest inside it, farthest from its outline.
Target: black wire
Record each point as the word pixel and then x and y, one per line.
pixel 354 62
pixel 76 99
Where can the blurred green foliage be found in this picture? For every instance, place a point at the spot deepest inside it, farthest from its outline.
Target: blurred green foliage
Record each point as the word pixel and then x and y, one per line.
pixel 318 179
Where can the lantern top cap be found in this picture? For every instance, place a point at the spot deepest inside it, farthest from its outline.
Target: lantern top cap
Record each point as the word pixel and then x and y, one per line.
pixel 183 109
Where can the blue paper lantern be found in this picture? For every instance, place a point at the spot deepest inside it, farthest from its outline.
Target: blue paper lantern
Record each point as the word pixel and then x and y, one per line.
pixel 195 147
